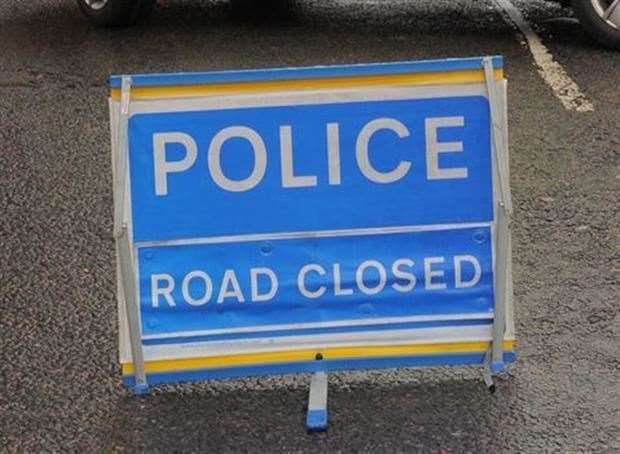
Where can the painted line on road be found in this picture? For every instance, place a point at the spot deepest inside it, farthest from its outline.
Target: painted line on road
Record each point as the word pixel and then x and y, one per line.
pixel 564 88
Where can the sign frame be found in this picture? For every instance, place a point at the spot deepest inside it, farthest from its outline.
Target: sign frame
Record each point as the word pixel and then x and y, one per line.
pixel 129 94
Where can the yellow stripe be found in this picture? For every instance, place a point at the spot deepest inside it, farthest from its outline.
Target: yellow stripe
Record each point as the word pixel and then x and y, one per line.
pixel 333 353
pixel 428 78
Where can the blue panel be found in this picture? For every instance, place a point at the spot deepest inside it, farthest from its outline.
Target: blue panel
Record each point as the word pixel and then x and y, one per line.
pixel 451 64
pixel 195 206
pixel 319 366
pixel 203 304
pixel 316 420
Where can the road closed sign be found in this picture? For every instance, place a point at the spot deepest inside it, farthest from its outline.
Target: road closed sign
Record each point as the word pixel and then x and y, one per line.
pixel 312 219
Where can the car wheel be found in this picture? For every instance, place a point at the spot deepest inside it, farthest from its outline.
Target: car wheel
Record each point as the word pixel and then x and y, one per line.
pixel 601 19
pixel 115 13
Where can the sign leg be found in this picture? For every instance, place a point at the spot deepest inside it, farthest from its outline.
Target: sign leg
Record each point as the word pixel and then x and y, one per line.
pixel 316 418
pixel 499 313
pixel 503 213
pixel 487 374
pixel 133 314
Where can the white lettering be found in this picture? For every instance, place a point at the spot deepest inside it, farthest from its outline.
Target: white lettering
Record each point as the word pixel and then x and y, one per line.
pixel 359 277
pixel 429 274
pixel 338 290
pixel 254 274
pixel 403 275
pixel 301 280
pixel 230 279
pixel 434 147
pixel 458 277
pixel 162 167
pixel 208 288
pixel 361 151
pixel 260 158
pixel 333 153
pixel 166 291
pixel 289 179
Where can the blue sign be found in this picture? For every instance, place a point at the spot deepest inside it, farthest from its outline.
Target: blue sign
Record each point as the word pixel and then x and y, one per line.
pixel 310 167
pixel 207 287
pixel 280 217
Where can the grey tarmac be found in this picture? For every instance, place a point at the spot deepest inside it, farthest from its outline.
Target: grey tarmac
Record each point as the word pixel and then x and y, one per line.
pixel 60 384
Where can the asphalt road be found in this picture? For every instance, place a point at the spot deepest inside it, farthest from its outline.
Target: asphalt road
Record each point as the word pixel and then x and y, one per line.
pixel 60 384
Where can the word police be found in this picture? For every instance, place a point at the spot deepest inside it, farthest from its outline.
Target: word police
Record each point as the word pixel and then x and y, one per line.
pixel 163 167
pixel 370 278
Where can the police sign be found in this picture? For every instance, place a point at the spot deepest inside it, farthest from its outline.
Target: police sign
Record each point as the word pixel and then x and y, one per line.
pixel 312 219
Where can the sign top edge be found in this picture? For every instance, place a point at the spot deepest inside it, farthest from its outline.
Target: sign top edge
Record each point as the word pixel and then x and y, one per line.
pixel 309 72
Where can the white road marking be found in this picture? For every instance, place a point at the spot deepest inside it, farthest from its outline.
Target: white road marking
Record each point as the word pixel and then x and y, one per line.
pixel 564 88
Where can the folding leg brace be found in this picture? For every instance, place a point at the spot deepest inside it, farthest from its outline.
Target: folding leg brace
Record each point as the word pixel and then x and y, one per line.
pixel 503 211
pixel 316 418
pixel 123 245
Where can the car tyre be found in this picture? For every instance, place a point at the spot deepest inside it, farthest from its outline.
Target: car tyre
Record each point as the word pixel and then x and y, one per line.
pixel 591 14
pixel 115 13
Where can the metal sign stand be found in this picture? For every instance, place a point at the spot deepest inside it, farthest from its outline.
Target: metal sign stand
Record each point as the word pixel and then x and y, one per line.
pixel 123 245
pixel 494 361
pixel 316 418
pixel 317 413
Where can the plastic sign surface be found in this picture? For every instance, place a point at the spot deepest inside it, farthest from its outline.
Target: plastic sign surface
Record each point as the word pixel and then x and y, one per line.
pixel 342 213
